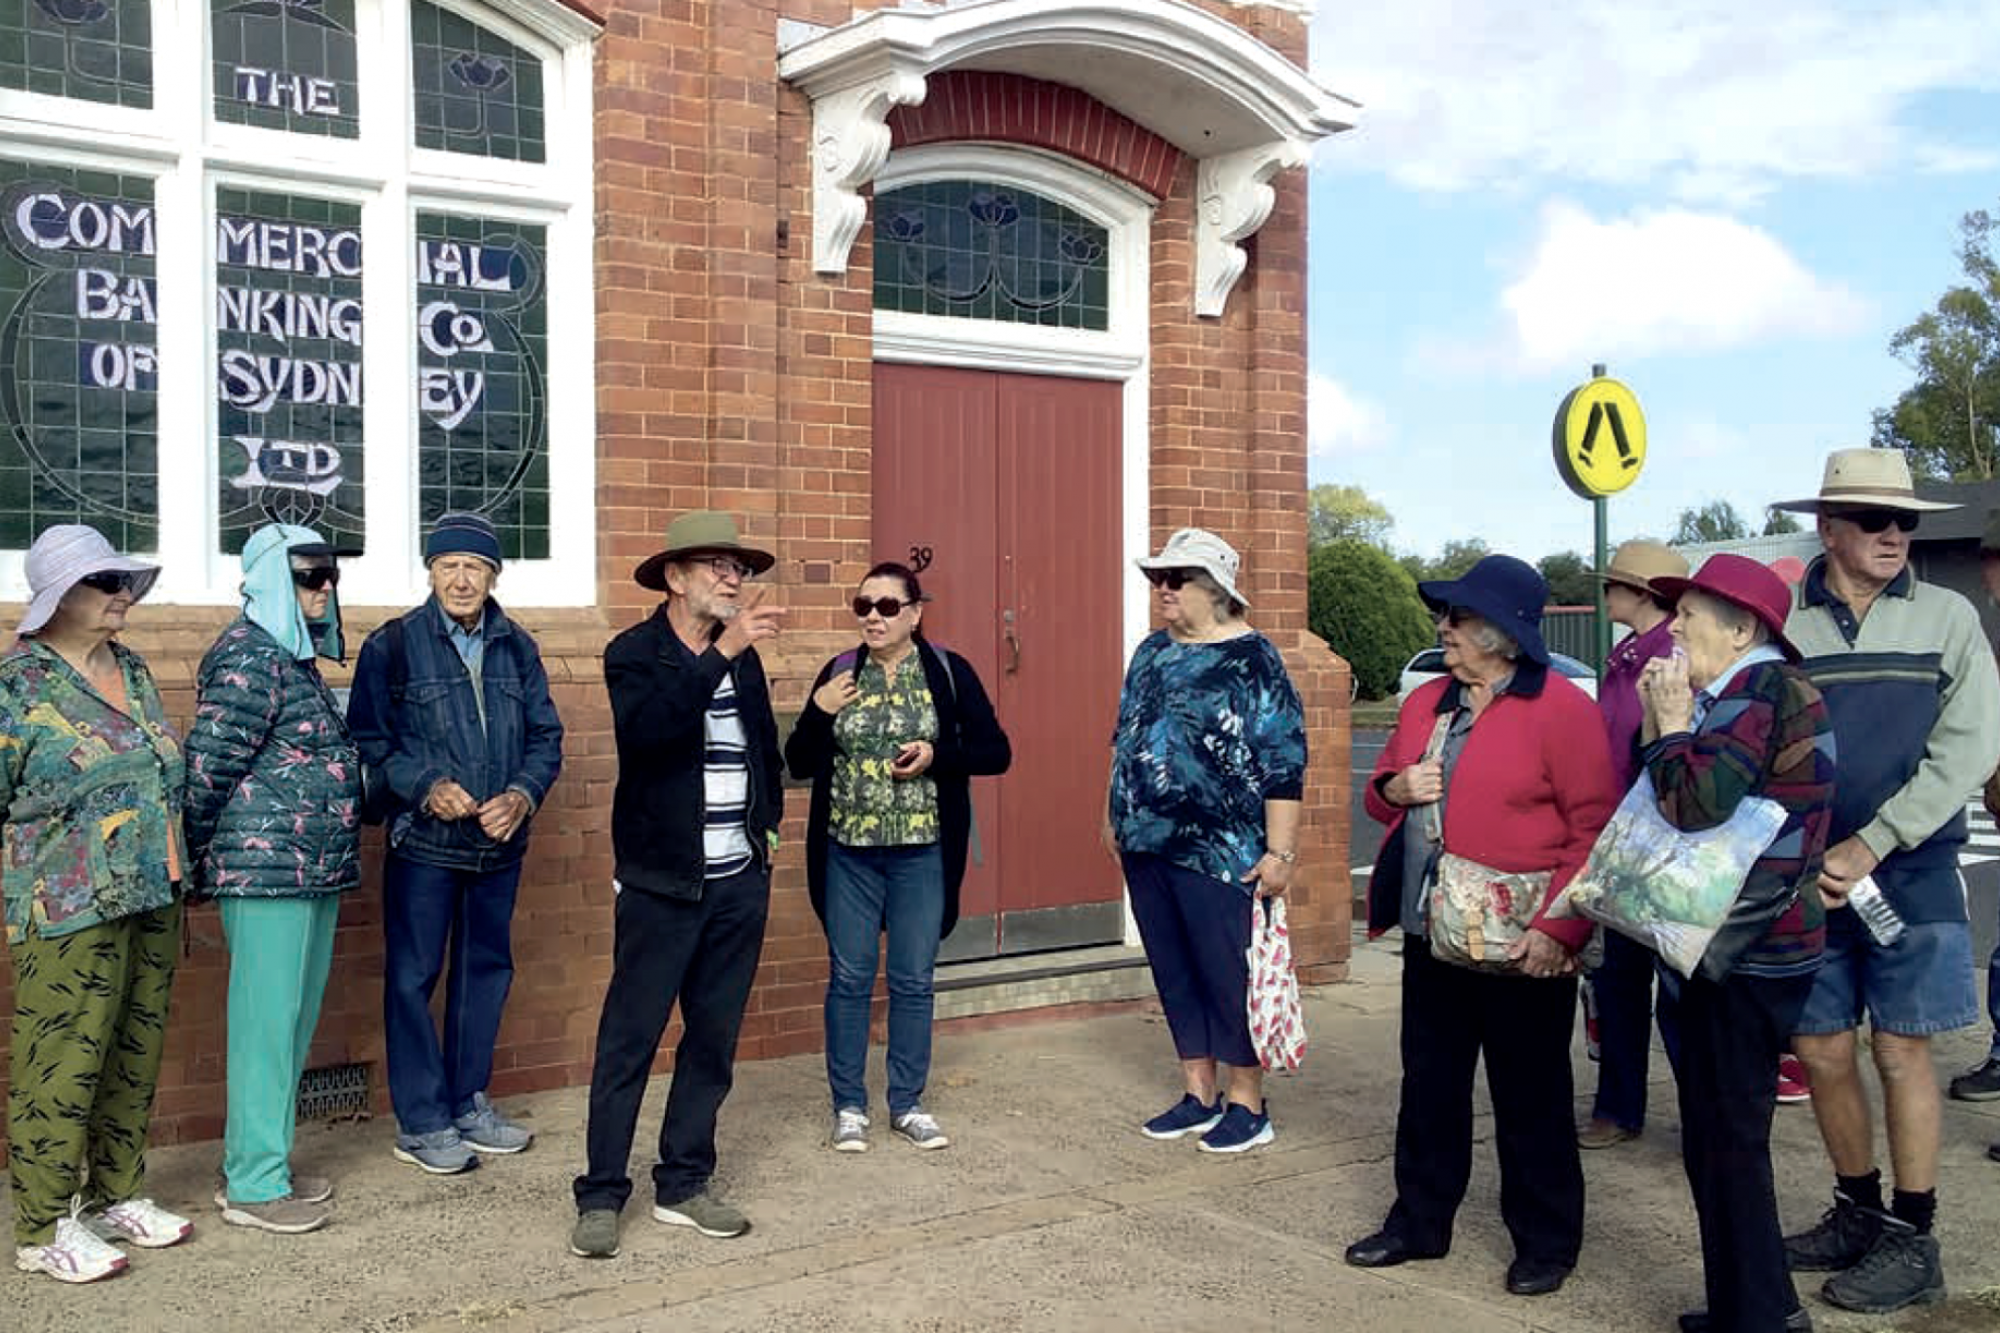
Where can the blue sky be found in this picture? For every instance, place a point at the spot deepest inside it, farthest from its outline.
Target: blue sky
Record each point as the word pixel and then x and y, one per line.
pixel 1734 206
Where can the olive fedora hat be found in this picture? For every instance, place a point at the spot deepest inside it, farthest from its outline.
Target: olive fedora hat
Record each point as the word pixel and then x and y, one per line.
pixel 699 532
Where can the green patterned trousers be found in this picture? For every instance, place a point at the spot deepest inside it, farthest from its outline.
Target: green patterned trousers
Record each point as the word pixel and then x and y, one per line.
pixel 90 1026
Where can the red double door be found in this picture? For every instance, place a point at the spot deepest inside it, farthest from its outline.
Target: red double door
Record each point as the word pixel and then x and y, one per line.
pixel 1005 491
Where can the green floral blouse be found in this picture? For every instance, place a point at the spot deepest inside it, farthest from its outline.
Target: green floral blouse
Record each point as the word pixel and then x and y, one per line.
pixel 870 808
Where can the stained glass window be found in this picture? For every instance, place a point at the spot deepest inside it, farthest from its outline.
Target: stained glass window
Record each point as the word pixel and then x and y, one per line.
pixel 288 374
pixel 475 92
pixel 974 250
pixel 482 376
pixel 90 50
pixel 286 65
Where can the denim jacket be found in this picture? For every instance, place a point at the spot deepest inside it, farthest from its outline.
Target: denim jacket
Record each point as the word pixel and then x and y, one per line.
pixel 433 731
pixel 90 795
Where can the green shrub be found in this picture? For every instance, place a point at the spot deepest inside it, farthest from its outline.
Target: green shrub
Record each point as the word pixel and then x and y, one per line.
pixel 1366 606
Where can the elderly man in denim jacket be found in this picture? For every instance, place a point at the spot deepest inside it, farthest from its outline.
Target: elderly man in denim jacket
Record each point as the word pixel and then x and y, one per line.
pixel 461 743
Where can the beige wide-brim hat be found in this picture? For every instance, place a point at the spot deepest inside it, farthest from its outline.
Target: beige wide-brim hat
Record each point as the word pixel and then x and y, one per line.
pixel 700 532
pixel 1638 562
pixel 65 554
pixel 1198 548
pixel 1865 479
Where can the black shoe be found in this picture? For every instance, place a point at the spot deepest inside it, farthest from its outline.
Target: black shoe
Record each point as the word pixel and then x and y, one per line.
pixel 1845 1232
pixel 1697 1321
pixel 1535 1277
pixel 1902 1268
pixel 1386 1249
pixel 1993 1151
pixel 1978 1085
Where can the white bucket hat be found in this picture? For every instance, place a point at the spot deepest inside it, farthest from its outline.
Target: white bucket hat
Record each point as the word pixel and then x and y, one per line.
pixel 1198 548
pixel 65 554
pixel 1865 479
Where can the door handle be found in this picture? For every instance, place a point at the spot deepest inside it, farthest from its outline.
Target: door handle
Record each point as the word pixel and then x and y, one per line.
pixel 1013 642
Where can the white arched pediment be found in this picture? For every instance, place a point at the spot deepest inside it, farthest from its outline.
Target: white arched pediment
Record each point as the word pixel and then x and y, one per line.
pixel 1208 87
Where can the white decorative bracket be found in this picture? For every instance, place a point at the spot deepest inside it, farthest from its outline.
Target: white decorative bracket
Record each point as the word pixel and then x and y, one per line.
pixel 1233 199
pixel 850 143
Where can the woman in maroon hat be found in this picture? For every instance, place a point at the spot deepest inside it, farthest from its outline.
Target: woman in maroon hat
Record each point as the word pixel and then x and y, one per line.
pixel 1737 719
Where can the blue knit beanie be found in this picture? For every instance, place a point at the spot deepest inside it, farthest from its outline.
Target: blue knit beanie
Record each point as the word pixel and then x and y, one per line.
pixel 467 534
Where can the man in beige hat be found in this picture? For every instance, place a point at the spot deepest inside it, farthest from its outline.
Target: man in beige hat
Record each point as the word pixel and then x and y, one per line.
pixel 1621 988
pixel 1910 682
pixel 694 820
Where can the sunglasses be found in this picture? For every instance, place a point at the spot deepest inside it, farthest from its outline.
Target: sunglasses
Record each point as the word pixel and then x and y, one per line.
pixel 110 582
pixel 317 578
pixel 886 607
pixel 1455 616
pixel 1173 580
pixel 728 567
pixel 1872 521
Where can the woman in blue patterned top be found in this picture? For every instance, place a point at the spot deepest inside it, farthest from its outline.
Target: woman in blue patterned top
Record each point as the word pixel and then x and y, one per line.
pixel 1208 765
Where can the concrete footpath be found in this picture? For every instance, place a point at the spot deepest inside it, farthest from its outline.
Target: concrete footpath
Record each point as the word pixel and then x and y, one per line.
pixel 1048 1212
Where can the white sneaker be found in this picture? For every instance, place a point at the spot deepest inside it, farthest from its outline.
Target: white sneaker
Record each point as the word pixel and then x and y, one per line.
pixel 850 1130
pixel 74 1255
pixel 142 1222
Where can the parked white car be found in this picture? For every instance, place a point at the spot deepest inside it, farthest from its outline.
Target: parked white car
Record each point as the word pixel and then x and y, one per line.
pixel 1429 664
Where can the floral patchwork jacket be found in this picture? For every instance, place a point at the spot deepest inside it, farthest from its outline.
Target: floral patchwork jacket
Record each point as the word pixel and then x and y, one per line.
pixel 91 795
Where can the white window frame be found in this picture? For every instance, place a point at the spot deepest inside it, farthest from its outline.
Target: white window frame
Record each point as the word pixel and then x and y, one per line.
pixel 188 154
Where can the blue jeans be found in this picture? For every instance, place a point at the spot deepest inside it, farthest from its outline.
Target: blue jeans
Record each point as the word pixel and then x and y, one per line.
pixel 870 890
pixel 426 909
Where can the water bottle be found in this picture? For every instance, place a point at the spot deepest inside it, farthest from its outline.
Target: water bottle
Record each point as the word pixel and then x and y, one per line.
pixel 1883 924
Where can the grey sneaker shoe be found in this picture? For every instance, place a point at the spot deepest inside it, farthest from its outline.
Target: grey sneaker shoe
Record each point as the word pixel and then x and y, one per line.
pixel 484 1129
pixel 441 1152
pixel 595 1235
pixel 289 1216
pixel 1901 1268
pixel 706 1214
pixel 917 1126
pixel 1978 1085
pixel 850 1130
pixel 305 1188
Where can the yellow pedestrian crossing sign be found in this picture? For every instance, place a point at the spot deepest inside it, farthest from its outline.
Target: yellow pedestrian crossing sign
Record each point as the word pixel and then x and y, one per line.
pixel 1600 438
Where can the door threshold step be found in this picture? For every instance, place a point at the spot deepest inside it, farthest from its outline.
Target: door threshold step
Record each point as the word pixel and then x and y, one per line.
pixel 1037 981
pixel 1037 966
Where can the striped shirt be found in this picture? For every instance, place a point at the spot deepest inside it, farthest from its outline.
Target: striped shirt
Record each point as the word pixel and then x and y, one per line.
pixel 726 776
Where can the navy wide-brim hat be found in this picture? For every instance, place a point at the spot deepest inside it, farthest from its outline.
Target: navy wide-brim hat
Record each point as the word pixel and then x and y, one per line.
pixel 1506 593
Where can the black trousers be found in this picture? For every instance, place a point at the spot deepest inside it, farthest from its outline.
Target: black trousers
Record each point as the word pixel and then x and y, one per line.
pixel 1451 1016
pixel 1731 1036
pixel 703 952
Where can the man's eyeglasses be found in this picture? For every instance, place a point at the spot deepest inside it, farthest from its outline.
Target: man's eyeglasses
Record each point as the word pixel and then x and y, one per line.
pixel 1173 580
pixel 317 578
pixel 886 607
pixel 728 567
pixel 110 582
pixel 1872 521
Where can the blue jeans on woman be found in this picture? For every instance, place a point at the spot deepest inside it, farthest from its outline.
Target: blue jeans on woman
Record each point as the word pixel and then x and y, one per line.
pixel 870 890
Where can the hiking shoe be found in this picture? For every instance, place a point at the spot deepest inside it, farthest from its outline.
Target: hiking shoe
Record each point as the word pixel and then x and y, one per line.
pixel 484 1129
pixel 850 1130
pixel 305 1188
pixel 1793 1084
pixel 287 1216
pixel 1902 1268
pixel 1978 1085
pixel 1239 1130
pixel 441 1152
pixel 1604 1134
pixel 919 1128
pixel 73 1254
pixel 1186 1116
pixel 595 1235
pixel 142 1222
pixel 706 1214
pixel 1844 1233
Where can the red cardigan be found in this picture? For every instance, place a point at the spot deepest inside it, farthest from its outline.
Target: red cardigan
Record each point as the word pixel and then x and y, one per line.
pixel 1531 789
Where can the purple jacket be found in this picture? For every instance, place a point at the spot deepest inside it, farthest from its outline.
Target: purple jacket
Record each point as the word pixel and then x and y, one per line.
pixel 1618 697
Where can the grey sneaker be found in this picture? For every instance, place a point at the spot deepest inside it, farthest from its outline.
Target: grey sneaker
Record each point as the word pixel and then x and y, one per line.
pixel 305 1188
pixel 706 1214
pixel 1978 1085
pixel 441 1152
pixel 595 1235
pixel 917 1126
pixel 484 1129
pixel 850 1130
pixel 289 1216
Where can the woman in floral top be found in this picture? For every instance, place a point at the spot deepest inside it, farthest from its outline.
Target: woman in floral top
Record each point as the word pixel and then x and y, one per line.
pixel 90 786
pixel 890 738
pixel 1207 770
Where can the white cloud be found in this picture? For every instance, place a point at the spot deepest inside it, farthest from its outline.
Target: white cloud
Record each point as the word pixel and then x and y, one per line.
pixel 1707 99
pixel 1341 422
pixel 1662 282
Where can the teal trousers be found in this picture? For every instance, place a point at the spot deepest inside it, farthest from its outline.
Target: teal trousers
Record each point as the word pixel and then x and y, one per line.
pixel 279 952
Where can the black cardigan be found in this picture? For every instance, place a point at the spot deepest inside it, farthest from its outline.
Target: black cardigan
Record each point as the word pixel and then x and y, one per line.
pixel 970 744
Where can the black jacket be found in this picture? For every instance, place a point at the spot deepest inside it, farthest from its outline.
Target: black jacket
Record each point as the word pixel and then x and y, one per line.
pixel 659 697
pixel 970 744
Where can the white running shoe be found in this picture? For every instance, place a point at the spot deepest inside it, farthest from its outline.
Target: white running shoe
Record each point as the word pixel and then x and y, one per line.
pixel 142 1222
pixel 75 1254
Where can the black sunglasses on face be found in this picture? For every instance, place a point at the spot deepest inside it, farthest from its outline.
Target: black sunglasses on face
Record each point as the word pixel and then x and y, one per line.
pixel 316 578
pixel 1173 580
pixel 1872 521
pixel 110 582
pixel 886 607
pixel 1456 616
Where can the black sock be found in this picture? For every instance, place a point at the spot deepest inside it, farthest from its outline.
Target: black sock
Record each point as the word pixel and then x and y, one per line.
pixel 1918 1208
pixel 1864 1190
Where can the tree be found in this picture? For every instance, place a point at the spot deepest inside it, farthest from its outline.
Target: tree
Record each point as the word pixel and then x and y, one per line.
pixel 1716 521
pixel 1778 522
pixel 1459 555
pixel 1337 512
pixel 1571 580
pixel 1365 604
pixel 1948 422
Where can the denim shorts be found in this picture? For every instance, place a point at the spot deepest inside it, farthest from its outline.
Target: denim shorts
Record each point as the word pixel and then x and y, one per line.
pixel 1919 985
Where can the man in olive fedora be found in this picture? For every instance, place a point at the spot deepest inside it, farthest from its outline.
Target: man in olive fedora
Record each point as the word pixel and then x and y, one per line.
pixel 1915 700
pixel 694 820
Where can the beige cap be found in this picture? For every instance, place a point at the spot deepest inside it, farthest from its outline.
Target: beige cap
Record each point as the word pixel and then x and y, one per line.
pixel 1642 560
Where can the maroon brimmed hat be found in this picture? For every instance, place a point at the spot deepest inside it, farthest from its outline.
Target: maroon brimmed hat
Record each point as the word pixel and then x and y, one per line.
pixel 1743 582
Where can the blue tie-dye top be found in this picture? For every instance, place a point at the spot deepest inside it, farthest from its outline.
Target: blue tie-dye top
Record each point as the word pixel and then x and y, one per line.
pixel 1207 732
